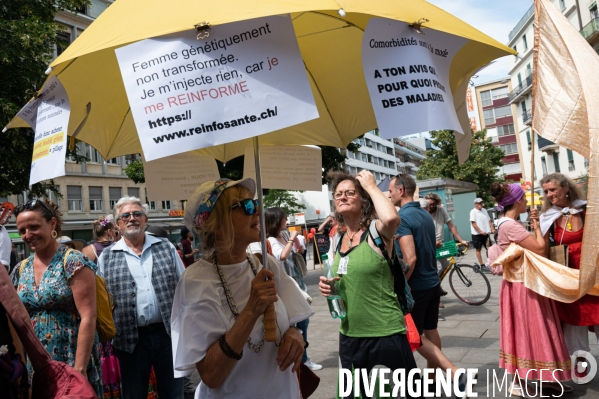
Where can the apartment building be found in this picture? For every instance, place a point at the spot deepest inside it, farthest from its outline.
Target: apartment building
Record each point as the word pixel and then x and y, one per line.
pixel 385 158
pixel 589 16
pixel 90 190
pixel 549 157
pixel 495 115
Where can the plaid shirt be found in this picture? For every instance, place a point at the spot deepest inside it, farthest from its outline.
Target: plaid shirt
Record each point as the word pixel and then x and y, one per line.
pixel 121 285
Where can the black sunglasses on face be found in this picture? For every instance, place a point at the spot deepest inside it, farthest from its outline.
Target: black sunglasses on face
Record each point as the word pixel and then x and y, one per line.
pixel 250 206
pixel 30 205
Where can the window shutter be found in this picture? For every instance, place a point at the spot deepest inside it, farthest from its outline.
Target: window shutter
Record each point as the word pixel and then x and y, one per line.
pixel 95 193
pixel 570 155
pixel 74 192
pixel 114 193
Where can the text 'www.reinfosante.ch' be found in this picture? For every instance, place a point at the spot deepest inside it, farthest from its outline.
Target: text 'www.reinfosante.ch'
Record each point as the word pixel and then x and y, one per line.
pixel 204 128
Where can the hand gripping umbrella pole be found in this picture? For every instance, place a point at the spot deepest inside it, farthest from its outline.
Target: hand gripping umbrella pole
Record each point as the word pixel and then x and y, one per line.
pixel 270 318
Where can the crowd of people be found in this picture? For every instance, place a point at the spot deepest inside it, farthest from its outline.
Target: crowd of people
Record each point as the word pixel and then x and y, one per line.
pixel 175 314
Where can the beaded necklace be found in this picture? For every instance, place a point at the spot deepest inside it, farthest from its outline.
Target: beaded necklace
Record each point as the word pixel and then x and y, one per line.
pixel 231 302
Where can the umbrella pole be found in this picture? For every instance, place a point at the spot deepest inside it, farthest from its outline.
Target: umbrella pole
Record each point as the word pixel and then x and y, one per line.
pixel 270 318
pixel 532 173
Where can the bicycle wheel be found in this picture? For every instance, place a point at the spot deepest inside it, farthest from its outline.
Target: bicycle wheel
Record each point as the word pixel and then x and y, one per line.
pixel 469 284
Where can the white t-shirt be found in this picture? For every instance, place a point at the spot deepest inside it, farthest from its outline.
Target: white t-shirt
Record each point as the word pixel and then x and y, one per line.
pixel 302 241
pixel 201 315
pixel 482 220
pixel 440 218
pixel 5 247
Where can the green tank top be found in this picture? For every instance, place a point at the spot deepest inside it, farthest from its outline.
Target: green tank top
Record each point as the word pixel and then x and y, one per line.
pixel 367 290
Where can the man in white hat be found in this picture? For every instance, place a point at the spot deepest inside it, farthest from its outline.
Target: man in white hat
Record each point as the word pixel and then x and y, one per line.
pixel 142 272
pixel 480 228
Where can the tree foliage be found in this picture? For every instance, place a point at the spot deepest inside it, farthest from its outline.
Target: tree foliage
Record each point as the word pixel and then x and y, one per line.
pixel 283 199
pixel 28 35
pixel 480 168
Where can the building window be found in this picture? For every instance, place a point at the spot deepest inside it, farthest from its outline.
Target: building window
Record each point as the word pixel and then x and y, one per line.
pixel 95 199
pixel 351 155
pixel 501 112
pixel 594 13
pixel 166 205
pixel 528 70
pixel 506 130
pixel 556 162
pixel 509 148
pixel 500 92
pixel 364 158
pixel 485 98
pixel 131 158
pixel 114 195
pixel 586 163
pixel 562 5
pixel 516 50
pixel 74 198
pixel 152 205
pixel 528 139
pixel 544 166
pixel 489 116
pixel 63 39
pixel 114 161
pixel 524 42
pixel 133 192
pixel 571 165
pixel 93 154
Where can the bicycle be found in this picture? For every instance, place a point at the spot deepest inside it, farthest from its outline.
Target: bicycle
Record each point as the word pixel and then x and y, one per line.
pixel 468 282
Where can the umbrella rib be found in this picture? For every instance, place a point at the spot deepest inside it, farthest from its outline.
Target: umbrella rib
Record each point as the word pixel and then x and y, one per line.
pixel 322 96
pixel 337 18
pixel 68 65
pixel 324 31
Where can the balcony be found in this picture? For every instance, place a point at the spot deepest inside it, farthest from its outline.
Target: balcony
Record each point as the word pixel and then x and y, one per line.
pixel 527 117
pixel 546 145
pixel 522 89
pixel 523 20
pixel 409 165
pixel 591 31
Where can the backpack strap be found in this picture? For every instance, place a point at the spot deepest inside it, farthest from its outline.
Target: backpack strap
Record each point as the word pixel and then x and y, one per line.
pixel 396 271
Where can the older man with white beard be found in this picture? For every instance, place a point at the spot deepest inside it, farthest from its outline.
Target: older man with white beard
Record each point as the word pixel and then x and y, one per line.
pixel 142 272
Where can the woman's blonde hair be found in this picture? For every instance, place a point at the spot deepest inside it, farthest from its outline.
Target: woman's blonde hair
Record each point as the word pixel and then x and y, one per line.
pixel 220 220
pixel 574 192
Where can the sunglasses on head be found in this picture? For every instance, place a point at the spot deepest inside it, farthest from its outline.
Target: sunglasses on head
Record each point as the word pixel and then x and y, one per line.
pixel 30 205
pixel 250 206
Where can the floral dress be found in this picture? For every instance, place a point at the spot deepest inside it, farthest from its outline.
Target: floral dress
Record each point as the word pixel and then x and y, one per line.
pixel 52 309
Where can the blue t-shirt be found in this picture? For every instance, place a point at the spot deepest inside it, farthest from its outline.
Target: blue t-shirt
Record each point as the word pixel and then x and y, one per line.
pixel 418 223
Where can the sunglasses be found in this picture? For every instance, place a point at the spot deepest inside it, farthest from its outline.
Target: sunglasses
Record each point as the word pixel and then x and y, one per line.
pixel 30 205
pixel 250 206
pixel 125 216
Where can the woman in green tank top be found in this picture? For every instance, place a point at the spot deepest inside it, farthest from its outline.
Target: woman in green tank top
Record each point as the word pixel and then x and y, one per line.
pixel 373 331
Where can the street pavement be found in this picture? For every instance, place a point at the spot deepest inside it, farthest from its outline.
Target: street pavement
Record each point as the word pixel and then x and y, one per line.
pixel 470 339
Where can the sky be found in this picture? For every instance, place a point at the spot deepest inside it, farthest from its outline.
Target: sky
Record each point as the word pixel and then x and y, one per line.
pixel 496 18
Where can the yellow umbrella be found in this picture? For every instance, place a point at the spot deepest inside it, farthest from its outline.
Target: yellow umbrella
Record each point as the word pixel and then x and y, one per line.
pixel 330 42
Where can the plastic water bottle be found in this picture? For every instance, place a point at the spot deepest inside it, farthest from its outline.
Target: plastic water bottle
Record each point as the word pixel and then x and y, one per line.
pixel 335 301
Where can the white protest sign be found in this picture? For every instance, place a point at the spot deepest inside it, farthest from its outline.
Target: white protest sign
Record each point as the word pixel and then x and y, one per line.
pixel 300 218
pixel 407 75
pixel 50 142
pixel 29 112
pixel 246 79
pixel 177 176
pixel 286 167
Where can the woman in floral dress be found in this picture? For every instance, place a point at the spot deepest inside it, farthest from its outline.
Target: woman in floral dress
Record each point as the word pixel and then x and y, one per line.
pixel 57 286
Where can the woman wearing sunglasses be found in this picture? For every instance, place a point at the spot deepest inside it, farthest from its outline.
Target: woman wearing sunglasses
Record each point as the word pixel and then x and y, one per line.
pixel 217 320
pixel 58 288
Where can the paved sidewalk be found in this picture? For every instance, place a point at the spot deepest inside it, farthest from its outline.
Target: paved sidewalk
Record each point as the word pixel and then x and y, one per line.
pixel 470 339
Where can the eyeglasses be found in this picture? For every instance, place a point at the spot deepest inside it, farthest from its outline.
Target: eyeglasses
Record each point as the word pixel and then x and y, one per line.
pixel 125 216
pixel 348 193
pixel 30 205
pixel 250 206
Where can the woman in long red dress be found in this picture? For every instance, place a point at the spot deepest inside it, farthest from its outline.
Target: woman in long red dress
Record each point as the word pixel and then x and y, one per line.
pixel 562 223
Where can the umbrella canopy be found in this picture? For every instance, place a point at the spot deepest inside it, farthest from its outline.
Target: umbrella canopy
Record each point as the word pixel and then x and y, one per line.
pixel 330 45
pixel 565 109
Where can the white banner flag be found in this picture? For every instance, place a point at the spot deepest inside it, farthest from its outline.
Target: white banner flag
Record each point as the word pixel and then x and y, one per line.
pixel 50 143
pixel 246 79
pixel 407 75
